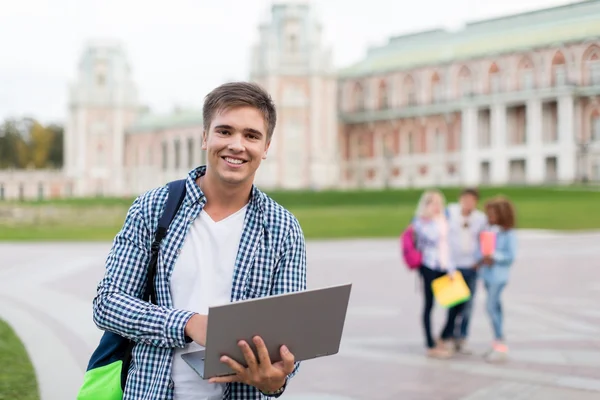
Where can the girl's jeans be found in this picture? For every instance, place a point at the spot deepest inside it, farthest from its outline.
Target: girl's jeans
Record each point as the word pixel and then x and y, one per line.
pixel 494 307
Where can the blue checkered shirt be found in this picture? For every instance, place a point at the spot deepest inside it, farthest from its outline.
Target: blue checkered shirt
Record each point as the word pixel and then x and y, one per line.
pixel 271 260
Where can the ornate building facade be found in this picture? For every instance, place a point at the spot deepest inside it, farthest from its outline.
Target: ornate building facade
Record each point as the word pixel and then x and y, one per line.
pixel 289 61
pixel 512 100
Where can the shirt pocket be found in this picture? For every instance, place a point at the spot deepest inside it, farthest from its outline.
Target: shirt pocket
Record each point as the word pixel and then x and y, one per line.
pixel 260 278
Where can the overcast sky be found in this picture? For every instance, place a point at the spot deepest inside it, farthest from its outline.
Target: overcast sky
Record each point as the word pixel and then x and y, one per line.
pixel 180 49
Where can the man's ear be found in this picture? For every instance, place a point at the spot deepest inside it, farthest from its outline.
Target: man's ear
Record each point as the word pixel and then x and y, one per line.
pixel 264 157
pixel 204 140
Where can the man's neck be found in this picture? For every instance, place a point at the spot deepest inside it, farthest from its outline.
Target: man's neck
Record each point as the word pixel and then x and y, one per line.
pixel 222 199
pixel 466 213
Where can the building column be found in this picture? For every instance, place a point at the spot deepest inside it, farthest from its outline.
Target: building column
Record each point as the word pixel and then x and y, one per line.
pixel 535 165
pixel 499 162
pixel 567 156
pixel 469 166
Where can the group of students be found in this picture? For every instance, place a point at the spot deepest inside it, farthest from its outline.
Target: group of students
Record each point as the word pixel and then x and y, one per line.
pixel 448 239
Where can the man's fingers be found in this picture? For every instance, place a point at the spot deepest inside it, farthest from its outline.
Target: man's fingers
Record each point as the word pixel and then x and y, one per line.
pixel 234 365
pixel 226 379
pixel 248 355
pixel 263 353
pixel 288 360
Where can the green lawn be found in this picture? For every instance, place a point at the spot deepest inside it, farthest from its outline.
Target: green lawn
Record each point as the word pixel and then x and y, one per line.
pixel 322 214
pixel 17 377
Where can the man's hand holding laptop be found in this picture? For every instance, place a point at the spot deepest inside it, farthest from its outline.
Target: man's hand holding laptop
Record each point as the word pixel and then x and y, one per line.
pixel 262 374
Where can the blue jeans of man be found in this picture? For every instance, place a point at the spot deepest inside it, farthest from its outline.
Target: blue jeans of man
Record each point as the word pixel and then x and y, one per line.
pixel 462 311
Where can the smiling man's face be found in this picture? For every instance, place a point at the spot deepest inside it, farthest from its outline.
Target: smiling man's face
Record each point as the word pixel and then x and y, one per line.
pixel 236 144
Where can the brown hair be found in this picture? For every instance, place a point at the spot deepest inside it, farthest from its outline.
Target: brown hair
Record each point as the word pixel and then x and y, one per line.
pixel 470 191
pixel 240 94
pixel 504 211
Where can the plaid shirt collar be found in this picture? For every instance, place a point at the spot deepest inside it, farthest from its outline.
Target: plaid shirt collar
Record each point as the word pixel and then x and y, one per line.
pixel 195 195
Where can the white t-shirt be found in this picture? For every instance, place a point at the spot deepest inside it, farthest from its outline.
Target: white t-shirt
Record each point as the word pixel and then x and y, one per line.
pixel 202 277
pixel 464 235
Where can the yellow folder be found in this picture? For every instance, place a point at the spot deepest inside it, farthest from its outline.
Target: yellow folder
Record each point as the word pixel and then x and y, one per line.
pixel 450 292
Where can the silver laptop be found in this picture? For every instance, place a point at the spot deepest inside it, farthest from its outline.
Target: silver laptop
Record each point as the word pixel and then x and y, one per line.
pixel 310 323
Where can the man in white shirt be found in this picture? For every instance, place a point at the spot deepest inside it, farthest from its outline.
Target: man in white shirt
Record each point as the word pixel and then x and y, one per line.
pixel 229 241
pixel 466 223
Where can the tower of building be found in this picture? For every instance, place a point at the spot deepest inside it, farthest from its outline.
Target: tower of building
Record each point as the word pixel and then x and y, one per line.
pixel 103 102
pixel 291 62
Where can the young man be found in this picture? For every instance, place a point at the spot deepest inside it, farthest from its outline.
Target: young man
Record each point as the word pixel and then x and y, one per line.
pixel 465 225
pixel 228 242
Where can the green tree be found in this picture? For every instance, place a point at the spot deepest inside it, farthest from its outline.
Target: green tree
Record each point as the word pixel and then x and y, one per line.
pixel 56 157
pixel 13 148
pixel 40 142
pixel 25 143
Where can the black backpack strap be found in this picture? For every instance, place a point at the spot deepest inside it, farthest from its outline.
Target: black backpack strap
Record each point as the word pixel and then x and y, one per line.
pixel 174 200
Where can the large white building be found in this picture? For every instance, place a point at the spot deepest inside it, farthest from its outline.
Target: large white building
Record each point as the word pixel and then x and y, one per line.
pixel 508 100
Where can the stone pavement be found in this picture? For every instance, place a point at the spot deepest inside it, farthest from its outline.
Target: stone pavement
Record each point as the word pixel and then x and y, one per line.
pixel 551 308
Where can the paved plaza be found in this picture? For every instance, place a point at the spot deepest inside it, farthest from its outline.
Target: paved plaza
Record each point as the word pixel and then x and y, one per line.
pixel 551 305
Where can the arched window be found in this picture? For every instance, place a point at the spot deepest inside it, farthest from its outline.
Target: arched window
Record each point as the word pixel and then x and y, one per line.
pixel 465 83
pixel 358 98
pixel 494 79
pixel 410 91
pixel 591 65
pixel 525 74
pixel 559 70
pixel 382 94
pixel 437 93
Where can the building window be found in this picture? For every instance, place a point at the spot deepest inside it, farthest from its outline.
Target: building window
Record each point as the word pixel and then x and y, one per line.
pixel 495 82
pixel 100 79
pixel 517 170
pixel 438 92
pixel 292 44
pixel 595 73
pixel 551 169
pixel 560 75
pixel 596 129
pixel 437 88
pixel 411 97
pixel 465 87
pixel 40 191
pixel 439 141
pixel 383 96
pixel 527 82
pixel 410 93
pixel 484 170
pixel 411 143
pixel 1 191
pixel 359 98
pixel 21 192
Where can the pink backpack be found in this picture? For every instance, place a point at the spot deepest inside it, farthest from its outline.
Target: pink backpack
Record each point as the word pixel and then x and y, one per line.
pixel 412 257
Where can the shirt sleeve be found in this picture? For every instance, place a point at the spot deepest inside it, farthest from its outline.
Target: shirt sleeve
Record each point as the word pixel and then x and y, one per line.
pixel 118 307
pixel 507 254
